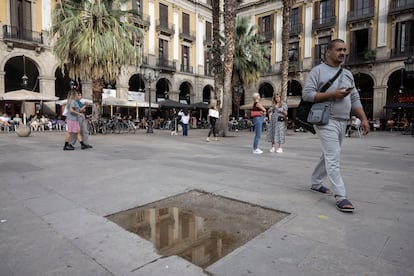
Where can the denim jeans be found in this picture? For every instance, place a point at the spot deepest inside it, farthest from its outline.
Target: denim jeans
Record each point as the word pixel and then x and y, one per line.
pixel 185 129
pixel 258 124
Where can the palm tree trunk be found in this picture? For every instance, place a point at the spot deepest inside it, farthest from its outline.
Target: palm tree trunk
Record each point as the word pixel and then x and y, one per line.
pixel 97 87
pixel 230 7
pixel 287 7
pixel 217 63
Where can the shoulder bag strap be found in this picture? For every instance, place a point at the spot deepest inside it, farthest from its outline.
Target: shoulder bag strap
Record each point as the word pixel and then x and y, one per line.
pixel 331 81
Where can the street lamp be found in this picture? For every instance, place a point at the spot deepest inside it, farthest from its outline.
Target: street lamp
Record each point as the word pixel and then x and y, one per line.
pixel 149 75
pixel 25 79
pixel 401 89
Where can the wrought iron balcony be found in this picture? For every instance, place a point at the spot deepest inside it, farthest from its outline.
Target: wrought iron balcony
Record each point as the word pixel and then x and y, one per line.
pixel 22 35
pixel 406 52
pixel 166 65
pixel 323 23
pixel 266 36
pixel 296 29
pixel 186 69
pixel 165 28
pixel 401 6
pixel 208 41
pixel 144 21
pixel 187 36
pixel 361 14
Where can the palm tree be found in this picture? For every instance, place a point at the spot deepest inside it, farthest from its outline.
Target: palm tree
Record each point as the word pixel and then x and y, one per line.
pixel 250 56
pixel 216 51
pixel 287 7
pixel 230 9
pixel 94 40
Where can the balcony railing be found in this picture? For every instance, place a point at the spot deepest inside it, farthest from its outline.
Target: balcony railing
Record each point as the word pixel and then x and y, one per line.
pixel 144 20
pixel 165 28
pixel 186 69
pixel 296 29
pixel 167 65
pixel 16 33
pixel 398 6
pixel 266 36
pixel 361 14
pixel 323 23
pixel 187 35
pixel 208 41
pixel 406 52
pixel 295 66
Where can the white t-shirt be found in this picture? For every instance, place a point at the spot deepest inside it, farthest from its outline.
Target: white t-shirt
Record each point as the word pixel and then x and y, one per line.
pixel 184 118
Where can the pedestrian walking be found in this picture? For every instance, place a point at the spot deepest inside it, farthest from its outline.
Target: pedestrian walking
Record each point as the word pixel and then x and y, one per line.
pixel 343 98
pixel 72 121
pixel 258 112
pixel 277 127
pixel 213 114
pixel 83 123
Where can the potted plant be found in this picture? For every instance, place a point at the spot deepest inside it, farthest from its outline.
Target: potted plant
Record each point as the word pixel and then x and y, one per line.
pixel 370 55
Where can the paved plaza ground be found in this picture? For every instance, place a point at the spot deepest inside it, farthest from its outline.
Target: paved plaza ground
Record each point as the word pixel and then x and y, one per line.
pixel 53 203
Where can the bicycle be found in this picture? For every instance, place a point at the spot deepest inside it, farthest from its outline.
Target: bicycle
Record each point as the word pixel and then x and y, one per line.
pixel 407 130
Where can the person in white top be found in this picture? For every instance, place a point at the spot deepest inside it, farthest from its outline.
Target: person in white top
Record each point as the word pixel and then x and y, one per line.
pixel 185 118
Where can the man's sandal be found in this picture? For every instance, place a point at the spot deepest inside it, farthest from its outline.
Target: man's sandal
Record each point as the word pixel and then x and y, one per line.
pixel 344 205
pixel 323 190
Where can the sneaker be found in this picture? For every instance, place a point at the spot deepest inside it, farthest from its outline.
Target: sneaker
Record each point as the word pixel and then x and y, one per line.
pixel 207 139
pixel 257 151
pixel 68 147
pixel 272 149
pixel 84 146
pixel 88 146
pixel 279 150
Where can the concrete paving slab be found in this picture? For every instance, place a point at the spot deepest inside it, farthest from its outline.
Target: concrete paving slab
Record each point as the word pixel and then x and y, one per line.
pixel 64 196
pixel 171 266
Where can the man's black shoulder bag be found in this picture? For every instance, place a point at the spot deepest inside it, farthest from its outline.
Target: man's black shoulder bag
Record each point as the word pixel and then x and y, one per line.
pixel 305 107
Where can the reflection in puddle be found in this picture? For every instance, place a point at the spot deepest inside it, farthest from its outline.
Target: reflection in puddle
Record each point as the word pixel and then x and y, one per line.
pixel 175 231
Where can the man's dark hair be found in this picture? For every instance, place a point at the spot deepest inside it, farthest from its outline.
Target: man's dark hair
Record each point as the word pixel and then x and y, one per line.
pixel 332 43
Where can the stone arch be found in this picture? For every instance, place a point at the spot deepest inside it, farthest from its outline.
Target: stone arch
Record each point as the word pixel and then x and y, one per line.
pixel 163 88
pixel 365 84
pixel 185 92
pixel 14 67
pixel 294 88
pixel 266 89
pixel 208 93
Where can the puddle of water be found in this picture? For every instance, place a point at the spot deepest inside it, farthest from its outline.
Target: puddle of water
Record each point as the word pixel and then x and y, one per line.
pixel 201 228
pixel 175 231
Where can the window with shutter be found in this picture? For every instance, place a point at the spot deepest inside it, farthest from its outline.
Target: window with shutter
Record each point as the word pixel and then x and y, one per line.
pixel 186 23
pixel 208 31
pixel 163 15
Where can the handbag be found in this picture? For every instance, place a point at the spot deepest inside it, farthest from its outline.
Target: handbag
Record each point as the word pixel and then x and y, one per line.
pixel 255 113
pixel 304 107
pixel 319 113
pixel 65 111
pixel 213 113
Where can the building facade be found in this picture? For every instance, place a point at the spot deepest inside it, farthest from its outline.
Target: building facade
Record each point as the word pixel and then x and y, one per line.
pixel 378 33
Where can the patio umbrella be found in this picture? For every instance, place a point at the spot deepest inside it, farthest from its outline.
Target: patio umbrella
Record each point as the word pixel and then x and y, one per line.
pixel 63 102
pixel 172 104
pixel 24 95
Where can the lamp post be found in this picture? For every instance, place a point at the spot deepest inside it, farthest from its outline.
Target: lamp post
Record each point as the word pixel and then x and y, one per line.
pixel 25 79
pixel 149 75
